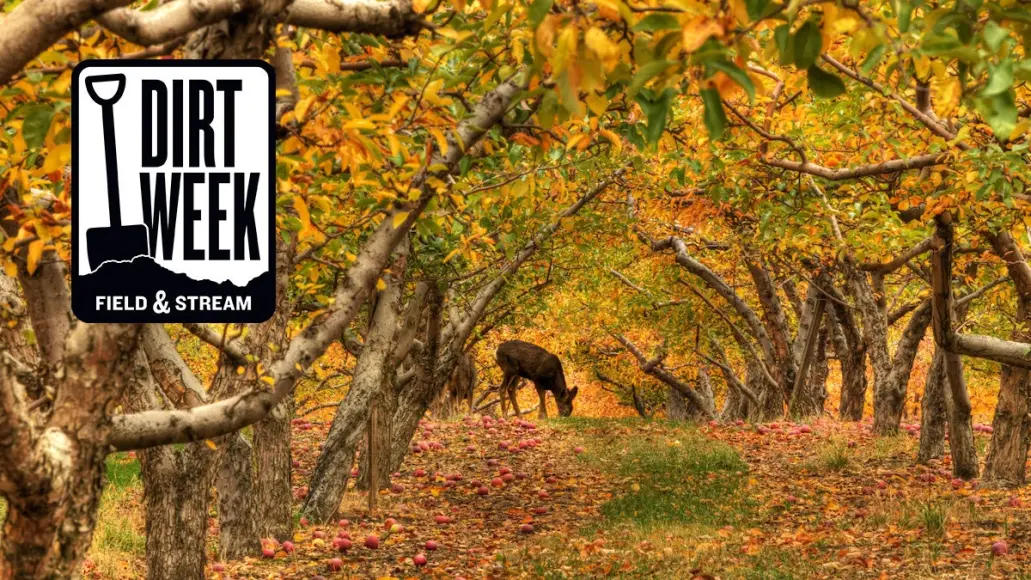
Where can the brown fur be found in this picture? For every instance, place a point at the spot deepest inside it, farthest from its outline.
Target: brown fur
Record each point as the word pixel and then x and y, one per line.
pixel 519 359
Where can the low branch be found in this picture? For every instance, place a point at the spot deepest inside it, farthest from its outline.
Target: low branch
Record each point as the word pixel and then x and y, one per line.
pixel 660 373
pixel 392 19
pixel 899 261
pixel 230 348
pixel 170 20
pixel 893 166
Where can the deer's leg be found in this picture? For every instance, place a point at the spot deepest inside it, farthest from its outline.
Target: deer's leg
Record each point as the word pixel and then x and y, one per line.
pixel 542 410
pixel 506 386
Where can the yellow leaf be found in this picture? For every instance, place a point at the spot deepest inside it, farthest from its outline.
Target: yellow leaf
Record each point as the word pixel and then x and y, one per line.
pixel 210 443
pixel 381 285
pixel 740 11
pixel 302 107
pixel 11 269
pixel 57 158
pixel 35 253
pixel 607 51
pixel 698 31
pixel 617 143
pixel 441 140
pixel 399 218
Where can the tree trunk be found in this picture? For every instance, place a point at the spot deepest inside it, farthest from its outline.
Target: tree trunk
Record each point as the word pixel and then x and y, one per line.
pixel 176 510
pixel 238 530
pixel 1007 457
pixel 776 325
pixel 274 495
pixel 676 405
pixel 809 401
pixel 933 411
pixel 47 532
pixel 373 369
pixel 851 353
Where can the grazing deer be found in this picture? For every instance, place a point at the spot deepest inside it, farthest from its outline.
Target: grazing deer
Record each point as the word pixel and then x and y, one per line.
pixel 522 360
pixel 459 388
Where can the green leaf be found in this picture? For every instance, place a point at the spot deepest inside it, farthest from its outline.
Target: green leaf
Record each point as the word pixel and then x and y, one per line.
pixel 715 117
pixel 657 21
pixel 905 14
pixel 873 58
pixel 823 83
pixel 37 123
pixel 648 72
pixel 1001 113
pixel 994 35
pixel 657 110
pixel 538 10
pixel 739 76
pixel 808 43
pixel 785 46
pixel 756 8
pixel 1000 79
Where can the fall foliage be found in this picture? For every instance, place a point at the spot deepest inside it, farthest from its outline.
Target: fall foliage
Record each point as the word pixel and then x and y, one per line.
pixel 778 247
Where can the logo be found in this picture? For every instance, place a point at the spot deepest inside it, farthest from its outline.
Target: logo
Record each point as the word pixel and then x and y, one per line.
pixel 173 191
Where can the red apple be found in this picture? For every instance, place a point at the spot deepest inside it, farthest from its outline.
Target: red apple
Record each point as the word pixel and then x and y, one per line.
pixel 372 541
pixel 882 484
pixel 432 545
pixel 335 564
pixel 397 529
pixel 1000 548
pixel 268 553
pixel 343 523
pixel 497 482
pixel 218 567
pixel 420 473
pixel 578 450
pixel 957 483
pixel 304 521
pixel 318 534
pixel 288 547
pixel 526 529
pixel 389 522
pixel 543 494
pixel 482 490
pixel 508 477
pixel 540 510
pixel 419 559
pixel 442 519
pixel 1015 501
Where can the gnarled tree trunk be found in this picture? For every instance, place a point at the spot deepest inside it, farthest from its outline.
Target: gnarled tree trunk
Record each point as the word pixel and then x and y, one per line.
pixel 933 411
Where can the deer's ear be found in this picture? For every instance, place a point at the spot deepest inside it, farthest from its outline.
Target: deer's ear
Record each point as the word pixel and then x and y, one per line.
pixel 573 392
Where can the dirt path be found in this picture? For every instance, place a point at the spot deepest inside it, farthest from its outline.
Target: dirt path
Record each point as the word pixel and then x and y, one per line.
pixel 858 506
pixel 499 484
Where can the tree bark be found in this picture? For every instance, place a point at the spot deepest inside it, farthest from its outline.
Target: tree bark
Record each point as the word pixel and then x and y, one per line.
pixel 933 411
pixel 676 405
pixel 237 521
pixel 273 490
pixel 177 510
pixel 1006 464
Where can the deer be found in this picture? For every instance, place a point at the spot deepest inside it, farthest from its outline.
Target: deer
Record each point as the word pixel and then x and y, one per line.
pixel 522 360
pixel 459 388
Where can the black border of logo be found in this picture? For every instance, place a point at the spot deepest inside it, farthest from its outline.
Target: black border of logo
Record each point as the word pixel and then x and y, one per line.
pixel 149 316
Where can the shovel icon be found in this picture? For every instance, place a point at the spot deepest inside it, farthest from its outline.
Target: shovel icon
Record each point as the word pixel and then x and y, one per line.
pixel 116 242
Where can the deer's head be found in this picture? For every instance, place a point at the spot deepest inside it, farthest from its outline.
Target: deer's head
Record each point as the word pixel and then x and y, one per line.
pixel 565 402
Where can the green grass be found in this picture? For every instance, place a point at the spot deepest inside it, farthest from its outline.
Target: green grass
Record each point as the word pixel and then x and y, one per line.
pixel 833 456
pixel 686 480
pixel 675 491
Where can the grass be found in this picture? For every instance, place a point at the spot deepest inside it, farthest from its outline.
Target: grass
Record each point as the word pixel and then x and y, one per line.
pixel 119 543
pixel 677 493
pixel 832 456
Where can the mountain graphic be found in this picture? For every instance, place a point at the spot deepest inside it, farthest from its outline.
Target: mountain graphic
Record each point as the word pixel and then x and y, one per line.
pixel 143 276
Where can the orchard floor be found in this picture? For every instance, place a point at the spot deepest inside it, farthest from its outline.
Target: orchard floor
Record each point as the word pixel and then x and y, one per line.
pixel 635 499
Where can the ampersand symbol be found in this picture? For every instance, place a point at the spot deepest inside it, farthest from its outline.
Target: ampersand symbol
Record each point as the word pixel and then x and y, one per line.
pixel 160 305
